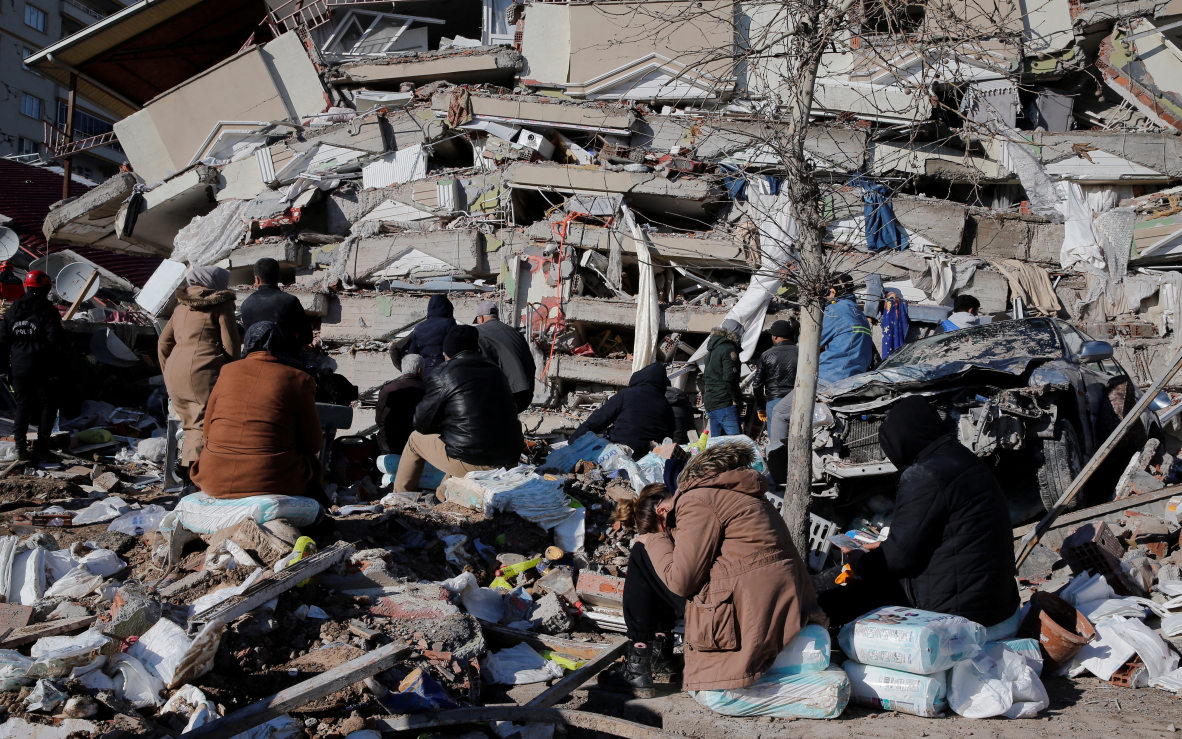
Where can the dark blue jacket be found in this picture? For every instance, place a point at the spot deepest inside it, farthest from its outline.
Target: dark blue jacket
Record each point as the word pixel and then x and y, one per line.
pixel 427 338
pixel 846 343
pixel 637 414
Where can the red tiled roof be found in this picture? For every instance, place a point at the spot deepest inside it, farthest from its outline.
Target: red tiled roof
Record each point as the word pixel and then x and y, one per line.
pixel 26 192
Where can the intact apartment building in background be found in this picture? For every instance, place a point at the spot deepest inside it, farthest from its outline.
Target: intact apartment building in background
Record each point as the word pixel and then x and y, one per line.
pixel 29 101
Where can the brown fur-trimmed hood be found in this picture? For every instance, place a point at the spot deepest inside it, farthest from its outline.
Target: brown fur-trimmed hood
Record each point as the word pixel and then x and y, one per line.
pixel 206 300
pixel 726 465
pixel 726 334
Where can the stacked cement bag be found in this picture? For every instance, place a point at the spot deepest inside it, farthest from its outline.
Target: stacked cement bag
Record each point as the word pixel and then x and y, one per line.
pixel 922 663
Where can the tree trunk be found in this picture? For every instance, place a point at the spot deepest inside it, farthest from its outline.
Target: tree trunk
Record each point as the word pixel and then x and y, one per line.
pixel 797 493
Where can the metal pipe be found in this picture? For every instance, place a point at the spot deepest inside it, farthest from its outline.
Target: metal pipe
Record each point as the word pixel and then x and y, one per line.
pixel 68 160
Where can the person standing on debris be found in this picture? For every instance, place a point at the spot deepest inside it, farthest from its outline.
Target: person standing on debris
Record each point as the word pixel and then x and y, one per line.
pixel 507 348
pixel 262 430
pixel 199 339
pixel 725 549
pixel 29 338
pixel 651 609
pixel 637 415
pixel 950 548
pixel 683 414
pixel 847 346
pixel 427 338
pixel 270 303
pixel 466 421
pixel 722 397
pixel 964 314
pixel 397 401
pixel 775 373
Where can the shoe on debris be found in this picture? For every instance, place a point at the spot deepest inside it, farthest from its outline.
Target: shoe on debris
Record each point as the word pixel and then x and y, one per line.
pixel 634 677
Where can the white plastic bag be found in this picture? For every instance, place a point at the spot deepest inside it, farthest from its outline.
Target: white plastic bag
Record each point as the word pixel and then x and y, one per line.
pixel 190 702
pixel 284 727
pixel 45 697
pixel 808 651
pixel 134 683
pixel 107 509
pixel 28 577
pixel 58 656
pixel 209 600
pixel 138 523
pixel 996 682
pixel 907 639
pixel 77 583
pixel 519 665
pixel 894 690
pixel 485 604
pixel 569 534
pixel 104 563
pixel 13 668
pixel 162 649
pixel 153 449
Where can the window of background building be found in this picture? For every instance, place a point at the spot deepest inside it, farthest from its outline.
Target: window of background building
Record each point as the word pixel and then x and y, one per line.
pixel 25 146
pixel 35 17
pixel 31 106
pixel 25 54
pixel 85 125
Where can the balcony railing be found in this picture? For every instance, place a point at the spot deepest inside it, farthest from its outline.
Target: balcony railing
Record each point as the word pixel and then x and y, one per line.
pixel 85 9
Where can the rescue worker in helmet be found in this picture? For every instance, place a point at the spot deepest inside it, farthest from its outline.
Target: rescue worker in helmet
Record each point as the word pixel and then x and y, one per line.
pixel 29 337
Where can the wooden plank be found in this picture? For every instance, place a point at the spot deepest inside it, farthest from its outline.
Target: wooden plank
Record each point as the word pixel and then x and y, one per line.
pixel 574 680
pixel 184 583
pixel 273 585
pixel 1096 512
pixel 577 650
pixel 302 693
pixel 595 722
pixel 49 628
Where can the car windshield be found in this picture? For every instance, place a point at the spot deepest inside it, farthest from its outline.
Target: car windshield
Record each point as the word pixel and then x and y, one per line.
pixel 1034 337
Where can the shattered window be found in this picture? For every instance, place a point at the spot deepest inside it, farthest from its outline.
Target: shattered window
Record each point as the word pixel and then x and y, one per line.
pixel 1034 337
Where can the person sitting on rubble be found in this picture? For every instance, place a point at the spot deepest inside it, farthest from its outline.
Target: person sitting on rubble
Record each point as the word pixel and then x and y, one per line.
pixel 722 397
pixel 504 345
pixel 726 550
pixel 262 430
pixel 466 421
pixel 270 303
pixel 427 338
pixel 30 336
pixel 200 338
pixel 950 548
pixel 847 346
pixel 775 372
pixel 964 314
pixel 636 416
pixel 397 401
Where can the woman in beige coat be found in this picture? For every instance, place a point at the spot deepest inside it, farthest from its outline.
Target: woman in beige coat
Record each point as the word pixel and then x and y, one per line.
pixel 199 339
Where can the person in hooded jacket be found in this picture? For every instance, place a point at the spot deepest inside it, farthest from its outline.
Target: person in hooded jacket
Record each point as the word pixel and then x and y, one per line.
pixel 726 549
pixel 427 338
pixel 467 419
pixel 722 397
pixel 199 339
pixel 637 415
pixel 950 548
pixel 29 338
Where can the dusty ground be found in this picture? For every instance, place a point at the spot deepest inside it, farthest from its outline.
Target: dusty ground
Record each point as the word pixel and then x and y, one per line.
pixel 1085 708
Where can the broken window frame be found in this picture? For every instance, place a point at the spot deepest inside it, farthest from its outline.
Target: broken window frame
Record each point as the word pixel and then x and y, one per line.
pixel 352 17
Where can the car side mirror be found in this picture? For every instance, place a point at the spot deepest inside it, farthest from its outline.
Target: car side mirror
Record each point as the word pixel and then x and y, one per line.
pixel 1161 402
pixel 1095 351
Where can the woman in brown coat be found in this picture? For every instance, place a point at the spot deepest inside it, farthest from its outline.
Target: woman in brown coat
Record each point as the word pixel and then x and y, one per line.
pixel 727 550
pixel 262 431
pixel 200 338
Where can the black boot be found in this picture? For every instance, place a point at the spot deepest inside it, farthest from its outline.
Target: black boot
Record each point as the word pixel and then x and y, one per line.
pixel 42 453
pixel 22 451
pixel 634 677
pixel 667 666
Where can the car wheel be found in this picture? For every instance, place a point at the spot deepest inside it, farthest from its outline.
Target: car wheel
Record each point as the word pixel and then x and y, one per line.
pixel 1059 461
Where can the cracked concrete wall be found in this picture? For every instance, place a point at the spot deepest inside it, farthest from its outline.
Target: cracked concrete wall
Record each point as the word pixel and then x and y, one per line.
pixel 354 318
pixel 463 249
pixel 685 319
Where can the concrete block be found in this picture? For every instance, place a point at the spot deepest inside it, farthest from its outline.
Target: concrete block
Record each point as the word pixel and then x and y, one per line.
pixel 285 252
pixel 1046 242
pixel 1001 238
pixel 354 318
pixel 461 249
pixel 241 180
pixel 991 289
pixel 364 133
pixel 684 319
pixel 89 220
pixel 133 613
pixel 939 221
pixel 368 370
pixel 171 206
pixel 592 370
pixel 462 66
pixel 109 482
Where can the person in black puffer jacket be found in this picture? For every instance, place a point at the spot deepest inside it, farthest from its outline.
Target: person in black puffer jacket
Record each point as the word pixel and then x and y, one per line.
pixel 950 548
pixel 683 414
pixel 466 421
pixel 775 373
pixel 30 334
pixel 427 338
pixel 636 415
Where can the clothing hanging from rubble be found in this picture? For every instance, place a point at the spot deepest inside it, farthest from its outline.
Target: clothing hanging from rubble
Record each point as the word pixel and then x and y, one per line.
pixel 895 323
pixel 459 111
pixel 883 230
pixel 210 238
pixel 1030 283
pixel 1080 244
pixel 937 279
pixel 648 309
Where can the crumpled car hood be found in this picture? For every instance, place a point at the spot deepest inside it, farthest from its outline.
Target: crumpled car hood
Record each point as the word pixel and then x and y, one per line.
pixel 915 376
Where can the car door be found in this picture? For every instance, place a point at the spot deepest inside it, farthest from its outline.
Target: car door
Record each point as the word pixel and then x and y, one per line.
pixel 1095 378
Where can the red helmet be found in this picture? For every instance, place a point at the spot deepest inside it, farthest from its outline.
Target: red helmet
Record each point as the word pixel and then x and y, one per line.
pixel 37 278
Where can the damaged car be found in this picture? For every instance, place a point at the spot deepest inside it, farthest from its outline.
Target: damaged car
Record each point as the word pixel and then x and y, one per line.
pixel 1034 397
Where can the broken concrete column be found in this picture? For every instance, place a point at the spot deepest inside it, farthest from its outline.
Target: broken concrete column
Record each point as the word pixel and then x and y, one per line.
pixel 287 253
pixel 550 617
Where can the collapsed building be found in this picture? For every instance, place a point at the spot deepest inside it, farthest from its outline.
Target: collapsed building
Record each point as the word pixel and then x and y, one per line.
pixel 489 151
